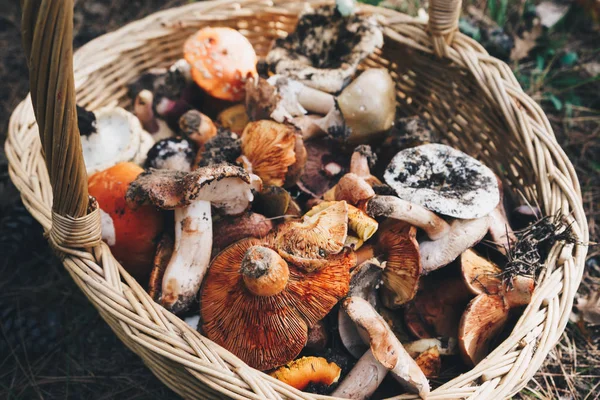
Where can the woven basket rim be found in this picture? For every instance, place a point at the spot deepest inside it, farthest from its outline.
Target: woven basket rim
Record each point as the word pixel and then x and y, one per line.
pixel 202 368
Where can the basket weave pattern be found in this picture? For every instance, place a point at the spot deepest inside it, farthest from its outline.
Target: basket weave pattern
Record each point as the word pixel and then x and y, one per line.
pixel 471 98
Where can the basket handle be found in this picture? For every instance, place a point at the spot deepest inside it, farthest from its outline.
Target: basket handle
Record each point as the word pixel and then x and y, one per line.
pixel 47 27
pixel 443 23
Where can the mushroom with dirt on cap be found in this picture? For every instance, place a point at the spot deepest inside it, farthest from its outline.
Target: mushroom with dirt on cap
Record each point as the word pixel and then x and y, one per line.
pixel 191 195
pixel 172 153
pixel 386 354
pixel 264 314
pixel 325 49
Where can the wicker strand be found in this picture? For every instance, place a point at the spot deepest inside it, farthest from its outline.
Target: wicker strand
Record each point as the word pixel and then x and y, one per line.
pixel 68 233
pixel 47 39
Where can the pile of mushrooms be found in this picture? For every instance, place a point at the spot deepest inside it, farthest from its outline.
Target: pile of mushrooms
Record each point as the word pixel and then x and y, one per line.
pixel 247 197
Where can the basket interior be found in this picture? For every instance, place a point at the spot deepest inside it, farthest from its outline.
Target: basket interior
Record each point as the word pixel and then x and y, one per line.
pixel 448 96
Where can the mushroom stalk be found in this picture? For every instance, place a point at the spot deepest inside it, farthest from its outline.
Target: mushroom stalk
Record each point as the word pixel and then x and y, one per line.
pixel 500 230
pixel 363 380
pixel 396 208
pixel 191 255
pixel 264 272
pixel 462 235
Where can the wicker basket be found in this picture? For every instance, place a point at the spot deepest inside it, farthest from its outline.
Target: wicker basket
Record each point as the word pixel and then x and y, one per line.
pixel 470 97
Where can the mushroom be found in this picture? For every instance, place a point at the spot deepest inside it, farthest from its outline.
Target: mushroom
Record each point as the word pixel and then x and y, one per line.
pixel 398 244
pixel 225 147
pixel 310 242
pixel 118 138
pixel 273 151
pixel 362 162
pixel 307 126
pixel 323 169
pixel 364 281
pixel 500 230
pixel 358 221
pixel 142 108
pixel 325 49
pixel 164 252
pixel 222 59
pixel 275 201
pixel 430 362
pixel 192 194
pixel 264 315
pixel 229 229
pixel 234 118
pixel 281 99
pixel 197 127
pixel 318 336
pixel 445 180
pixel 386 354
pixel 445 346
pixel 131 233
pixel 172 153
pixel 305 370
pixel 487 314
pixel 366 107
pixel 440 314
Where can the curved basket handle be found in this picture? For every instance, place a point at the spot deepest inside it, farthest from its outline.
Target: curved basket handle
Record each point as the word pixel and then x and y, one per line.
pixel 443 23
pixel 47 27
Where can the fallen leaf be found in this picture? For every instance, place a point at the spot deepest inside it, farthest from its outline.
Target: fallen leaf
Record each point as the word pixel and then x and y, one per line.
pixel 523 45
pixel 550 12
pixel 589 308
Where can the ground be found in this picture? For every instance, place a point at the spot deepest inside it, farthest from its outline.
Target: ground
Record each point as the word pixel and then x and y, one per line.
pixel 53 344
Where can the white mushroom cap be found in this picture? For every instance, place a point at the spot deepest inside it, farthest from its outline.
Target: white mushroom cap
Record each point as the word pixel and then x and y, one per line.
pixel 444 180
pixel 118 138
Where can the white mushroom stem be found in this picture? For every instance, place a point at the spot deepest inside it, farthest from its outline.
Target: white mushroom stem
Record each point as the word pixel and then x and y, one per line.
pixel 463 234
pixel 394 207
pixel 308 128
pixel 385 349
pixel 191 255
pixel 142 109
pixel 297 98
pixel 363 380
pixel 500 230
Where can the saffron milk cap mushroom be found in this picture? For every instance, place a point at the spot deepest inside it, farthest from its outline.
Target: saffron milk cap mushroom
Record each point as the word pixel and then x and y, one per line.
pixel 305 370
pixel 397 242
pixel 273 151
pixel 264 314
pixel 310 242
pixel 191 195
pixel 222 59
pixel 234 118
pixel 386 354
pixel 445 180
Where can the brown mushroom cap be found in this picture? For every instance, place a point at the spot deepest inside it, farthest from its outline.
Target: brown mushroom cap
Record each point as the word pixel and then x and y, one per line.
pixel 483 319
pixel 416 324
pixel 443 310
pixel 303 371
pixel 309 243
pixel 267 331
pixel 398 242
pixel 270 148
pixel 353 189
pixel 230 229
pixel 168 189
pixel 480 275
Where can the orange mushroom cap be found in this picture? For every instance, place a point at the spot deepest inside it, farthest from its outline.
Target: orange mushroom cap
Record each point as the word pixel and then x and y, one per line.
pixel 398 242
pixel 480 275
pixel 267 331
pixel 303 371
pixel 222 59
pixel 136 231
pixel 430 362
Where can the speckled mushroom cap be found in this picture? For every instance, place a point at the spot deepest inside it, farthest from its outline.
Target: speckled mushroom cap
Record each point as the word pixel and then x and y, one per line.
pixel 325 49
pixel 168 189
pixel 445 180
pixel 267 331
